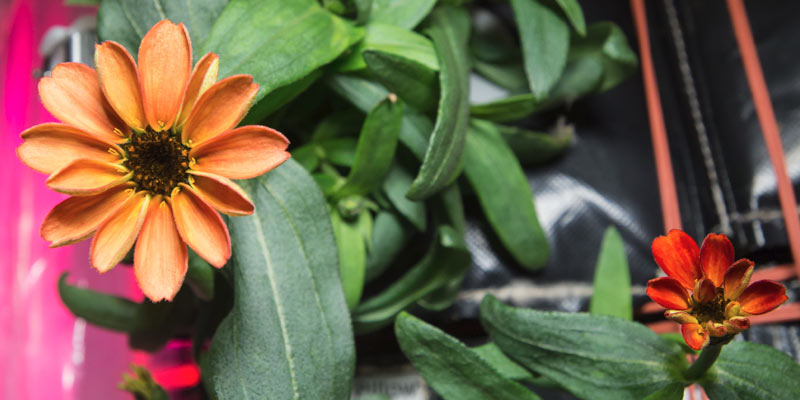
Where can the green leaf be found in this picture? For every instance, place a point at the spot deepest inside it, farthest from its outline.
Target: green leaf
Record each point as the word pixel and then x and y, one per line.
pixel 363 8
pixel 509 109
pixel 450 367
pixel 278 98
pixel 582 76
pixel 672 391
pixel 536 148
pixel 389 236
pixel 82 2
pixel 403 13
pixel 412 81
pixel 393 40
pixel 447 256
pixel 339 151
pixel 364 94
pixel 395 186
pixel 492 42
pixel 200 277
pixel 504 194
pixel 755 371
pixel 606 43
pixel 110 312
pixel 612 279
pixel 277 42
pixel 127 21
pixel 449 29
pixel 510 76
pixel 141 385
pixel 572 9
pixel 375 150
pixel 591 356
pixel 492 354
pixel 545 44
pixel 352 257
pixel 288 334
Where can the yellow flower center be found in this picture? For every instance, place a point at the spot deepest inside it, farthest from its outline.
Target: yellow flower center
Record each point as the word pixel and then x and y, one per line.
pixel 713 310
pixel 158 160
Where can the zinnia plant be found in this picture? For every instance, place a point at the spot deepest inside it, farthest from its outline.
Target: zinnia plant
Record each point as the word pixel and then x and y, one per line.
pixel 149 152
pixel 705 290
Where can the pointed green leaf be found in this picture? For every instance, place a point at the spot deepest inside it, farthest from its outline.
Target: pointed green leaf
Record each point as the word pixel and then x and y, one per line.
pixel 110 312
pixel 288 334
pixel 411 81
pixel 591 356
pixel 393 40
pixel 389 237
pixel 395 186
pixel 501 363
pixel 352 257
pixel 754 371
pixel 545 44
pixel 505 194
pixel 403 13
pixel 509 109
pixel 572 9
pixel 449 29
pixel 127 21
pixel 536 148
pixel 612 279
pixel 450 367
pixel 606 43
pixel 375 150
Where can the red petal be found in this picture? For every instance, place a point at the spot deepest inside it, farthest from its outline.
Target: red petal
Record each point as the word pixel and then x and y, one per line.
pixel 694 335
pixel 737 278
pixel 704 290
pixel 678 255
pixel 669 293
pixel 762 296
pixel 716 255
pixel 737 324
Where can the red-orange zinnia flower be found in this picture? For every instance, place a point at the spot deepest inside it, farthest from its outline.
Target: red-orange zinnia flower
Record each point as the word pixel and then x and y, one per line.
pixel 705 290
pixel 149 152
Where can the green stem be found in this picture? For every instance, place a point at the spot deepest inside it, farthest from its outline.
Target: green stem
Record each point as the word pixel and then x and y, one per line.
pixel 704 361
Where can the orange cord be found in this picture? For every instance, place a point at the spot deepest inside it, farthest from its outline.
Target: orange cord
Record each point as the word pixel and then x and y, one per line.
pixel 769 125
pixel 658 130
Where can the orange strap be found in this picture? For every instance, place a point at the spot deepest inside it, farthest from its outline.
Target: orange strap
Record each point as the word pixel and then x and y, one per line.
pixel 658 130
pixel 769 125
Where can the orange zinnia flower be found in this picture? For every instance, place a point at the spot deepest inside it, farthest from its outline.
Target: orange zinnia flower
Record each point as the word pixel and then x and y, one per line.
pixel 149 152
pixel 720 298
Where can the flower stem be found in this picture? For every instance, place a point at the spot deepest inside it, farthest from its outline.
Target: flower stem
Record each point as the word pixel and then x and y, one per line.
pixel 704 361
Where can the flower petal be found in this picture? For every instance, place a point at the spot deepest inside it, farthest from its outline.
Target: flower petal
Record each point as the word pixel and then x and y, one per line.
pixel 160 259
pixel 241 153
pixel 76 218
pixel 737 278
pixel 85 177
pixel 681 317
pixel 737 324
pixel 116 234
pixel 694 335
pixel 119 79
pixel 762 297
pixel 204 75
pixel 222 193
pixel 704 290
pixel 220 108
pixel 72 94
pixel 49 147
pixel 200 226
pixel 716 255
pixel 165 63
pixel 678 255
pixel 669 293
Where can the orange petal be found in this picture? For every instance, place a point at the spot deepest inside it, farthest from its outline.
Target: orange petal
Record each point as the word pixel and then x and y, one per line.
pixel 762 297
pixel 222 194
pixel 678 255
pixel 669 293
pixel 204 75
pixel 694 335
pixel 49 147
pixel 200 226
pixel 737 324
pixel 160 259
pixel 84 177
pixel 119 79
pixel 72 94
pixel 716 255
pixel 220 108
pixel 116 235
pixel 737 278
pixel 76 218
pixel 704 290
pixel 241 153
pixel 716 329
pixel 681 317
pixel 165 63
